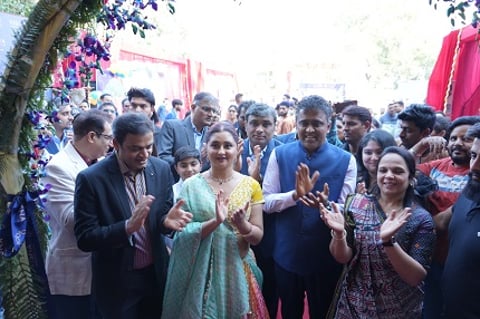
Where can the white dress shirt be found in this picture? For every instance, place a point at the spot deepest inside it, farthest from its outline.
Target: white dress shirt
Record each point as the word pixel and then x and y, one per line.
pixel 275 201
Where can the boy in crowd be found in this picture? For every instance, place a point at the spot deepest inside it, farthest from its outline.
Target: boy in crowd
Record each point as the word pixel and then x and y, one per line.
pixel 187 163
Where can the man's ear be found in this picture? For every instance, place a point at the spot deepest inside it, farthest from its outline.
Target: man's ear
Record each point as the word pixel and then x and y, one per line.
pixel 426 132
pixel 368 125
pixel 116 145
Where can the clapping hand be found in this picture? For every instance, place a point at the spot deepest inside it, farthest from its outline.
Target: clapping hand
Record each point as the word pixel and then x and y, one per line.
pixel 254 164
pixel 334 220
pixel 393 223
pixel 221 207
pixel 313 201
pixel 239 219
pixel 361 188
pixel 177 218
pixel 303 182
pixel 139 214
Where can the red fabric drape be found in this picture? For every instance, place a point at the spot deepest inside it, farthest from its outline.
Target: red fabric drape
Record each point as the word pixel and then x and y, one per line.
pixel 466 94
pixel 437 85
pixel 466 79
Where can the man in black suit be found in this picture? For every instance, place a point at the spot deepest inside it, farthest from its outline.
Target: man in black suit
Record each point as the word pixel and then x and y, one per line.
pixel 122 206
pixel 188 132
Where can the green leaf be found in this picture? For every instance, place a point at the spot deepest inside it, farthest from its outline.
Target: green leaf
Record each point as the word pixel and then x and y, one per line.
pixel 142 33
pixel 452 21
pixel 171 8
pixel 450 10
pixel 134 29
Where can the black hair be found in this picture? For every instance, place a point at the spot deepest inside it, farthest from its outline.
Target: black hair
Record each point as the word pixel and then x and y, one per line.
pixel 91 120
pixel 383 139
pixel 463 120
pixel 263 110
pixel 102 106
pixel 410 162
pixel 442 123
pixel 421 115
pixel 361 112
pixel 474 131
pixel 141 93
pixel 185 152
pixel 176 102
pixel 317 103
pixel 245 105
pixel 131 123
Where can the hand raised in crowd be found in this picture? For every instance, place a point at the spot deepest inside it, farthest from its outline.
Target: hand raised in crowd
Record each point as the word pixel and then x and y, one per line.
pixel 432 146
pixel 177 218
pixel 139 214
pixel 313 201
pixel 303 182
pixel 393 223
pixel 332 218
pixel 238 163
pixel 361 188
pixel 221 207
pixel 239 219
pixel 254 164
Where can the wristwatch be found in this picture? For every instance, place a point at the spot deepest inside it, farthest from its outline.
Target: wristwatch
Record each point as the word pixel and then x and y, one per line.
pixel 389 243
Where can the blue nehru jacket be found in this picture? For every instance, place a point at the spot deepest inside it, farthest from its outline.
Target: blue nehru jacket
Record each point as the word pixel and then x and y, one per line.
pixel 302 239
pixel 265 247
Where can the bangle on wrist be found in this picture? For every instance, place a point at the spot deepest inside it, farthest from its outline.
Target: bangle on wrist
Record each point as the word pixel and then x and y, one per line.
pixel 332 233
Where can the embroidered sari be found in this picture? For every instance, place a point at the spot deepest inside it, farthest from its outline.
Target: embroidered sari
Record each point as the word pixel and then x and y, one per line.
pixel 209 278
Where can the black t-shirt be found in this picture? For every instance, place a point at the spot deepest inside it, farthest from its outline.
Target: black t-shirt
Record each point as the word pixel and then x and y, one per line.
pixel 461 276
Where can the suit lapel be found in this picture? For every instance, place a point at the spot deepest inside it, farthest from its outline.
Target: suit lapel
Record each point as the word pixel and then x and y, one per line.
pixel 76 160
pixel 151 188
pixel 150 179
pixel 187 124
pixel 118 185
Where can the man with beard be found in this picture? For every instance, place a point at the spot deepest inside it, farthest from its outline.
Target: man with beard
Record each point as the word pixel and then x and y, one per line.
pixel 451 175
pixel 285 123
pixel 461 281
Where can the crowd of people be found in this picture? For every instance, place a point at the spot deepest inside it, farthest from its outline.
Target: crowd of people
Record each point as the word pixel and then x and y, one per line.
pixel 262 212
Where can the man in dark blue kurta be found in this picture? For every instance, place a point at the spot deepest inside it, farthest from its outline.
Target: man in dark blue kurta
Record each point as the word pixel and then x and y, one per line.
pixel 303 262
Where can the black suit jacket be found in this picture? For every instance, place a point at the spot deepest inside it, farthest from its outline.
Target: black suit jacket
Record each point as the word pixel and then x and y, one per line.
pixel 101 209
pixel 173 135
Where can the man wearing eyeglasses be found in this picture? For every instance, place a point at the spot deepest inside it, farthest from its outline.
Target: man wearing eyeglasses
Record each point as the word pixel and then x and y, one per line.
pixel 69 269
pixel 188 132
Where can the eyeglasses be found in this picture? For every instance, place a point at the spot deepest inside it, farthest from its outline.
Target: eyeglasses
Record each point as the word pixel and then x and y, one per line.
pixel 105 136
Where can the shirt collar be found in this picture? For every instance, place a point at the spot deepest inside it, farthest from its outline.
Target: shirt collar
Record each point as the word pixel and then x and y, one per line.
pixel 124 168
pixel 195 128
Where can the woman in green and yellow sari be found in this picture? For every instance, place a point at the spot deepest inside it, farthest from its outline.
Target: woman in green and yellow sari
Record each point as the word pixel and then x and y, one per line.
pixel 212 271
